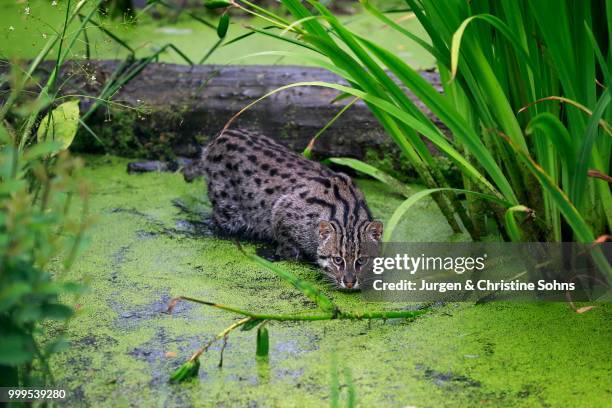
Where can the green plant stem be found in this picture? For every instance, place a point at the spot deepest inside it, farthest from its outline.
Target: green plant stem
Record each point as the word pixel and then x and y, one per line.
pixel 335 315
pixel 35 63
pixel 263 11
pixel 275 20
pixel 212 49
pixel 47 90
pixel 221 335
pixel 308 150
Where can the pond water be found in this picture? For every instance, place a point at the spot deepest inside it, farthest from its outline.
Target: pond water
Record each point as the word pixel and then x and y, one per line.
pixel 145 249
pixel 24 33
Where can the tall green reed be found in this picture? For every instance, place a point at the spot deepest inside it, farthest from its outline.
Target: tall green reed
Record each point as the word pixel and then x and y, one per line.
pixel 525 97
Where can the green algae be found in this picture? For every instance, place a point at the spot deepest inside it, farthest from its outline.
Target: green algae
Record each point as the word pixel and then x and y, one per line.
pixel 144 251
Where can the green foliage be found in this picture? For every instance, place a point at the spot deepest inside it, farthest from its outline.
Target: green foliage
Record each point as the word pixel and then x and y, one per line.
pixel 223 25
pixel 308 289
pixel 60 124
pixel 373 172
pixel 251 320
pixel 263 342
pixel 526 100
pixel 186 371
pixel 251 324
pixel 43 217
pixel 40 219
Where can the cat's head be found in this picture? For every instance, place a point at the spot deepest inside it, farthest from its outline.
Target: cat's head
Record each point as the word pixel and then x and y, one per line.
pixel 344 254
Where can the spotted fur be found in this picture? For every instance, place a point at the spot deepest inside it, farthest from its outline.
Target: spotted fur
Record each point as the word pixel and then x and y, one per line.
pixel 260 188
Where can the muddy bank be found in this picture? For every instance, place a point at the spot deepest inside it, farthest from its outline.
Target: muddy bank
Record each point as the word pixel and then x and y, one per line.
pixel 145 249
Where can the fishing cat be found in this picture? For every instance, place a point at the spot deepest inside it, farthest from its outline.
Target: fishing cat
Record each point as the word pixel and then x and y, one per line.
pixel 260 188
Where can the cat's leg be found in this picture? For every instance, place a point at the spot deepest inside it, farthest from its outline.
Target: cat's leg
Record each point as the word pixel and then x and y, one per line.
pixel 226 216
pixel 283 231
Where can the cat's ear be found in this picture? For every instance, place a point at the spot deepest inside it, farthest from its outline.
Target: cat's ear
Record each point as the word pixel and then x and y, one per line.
pixel 325 230
pixel 374 230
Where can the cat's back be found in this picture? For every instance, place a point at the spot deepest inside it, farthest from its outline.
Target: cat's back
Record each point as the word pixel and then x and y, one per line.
pixel 247 173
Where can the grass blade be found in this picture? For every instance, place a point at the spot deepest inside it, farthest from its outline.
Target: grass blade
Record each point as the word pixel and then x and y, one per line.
pixel 306 288
pixel 401 210
pixel 308 150
pixel 511 225
pixel 263 342
pixel 579 179
pixel 373 172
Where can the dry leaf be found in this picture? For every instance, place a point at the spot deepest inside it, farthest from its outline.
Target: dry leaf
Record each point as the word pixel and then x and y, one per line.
pixel 172 304
pixel 170 354
pixel 584 309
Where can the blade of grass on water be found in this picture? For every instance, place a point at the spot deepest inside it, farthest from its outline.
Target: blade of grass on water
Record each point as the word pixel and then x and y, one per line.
pixel 306 288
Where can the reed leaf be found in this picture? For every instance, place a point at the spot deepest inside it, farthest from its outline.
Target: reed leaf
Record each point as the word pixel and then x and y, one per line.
pixel 511 225
pixel 309 290
pixel 373 172
pixel 495 22
pixel 401 210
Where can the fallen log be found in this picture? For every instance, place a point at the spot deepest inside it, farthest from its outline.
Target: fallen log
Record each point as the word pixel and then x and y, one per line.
pixel 171 110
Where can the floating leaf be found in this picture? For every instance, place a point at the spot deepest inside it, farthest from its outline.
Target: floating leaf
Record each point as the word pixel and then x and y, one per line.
pixel 186 372
pixel 251 324
pixel 263 342
pixel 60 124
pixel 223 25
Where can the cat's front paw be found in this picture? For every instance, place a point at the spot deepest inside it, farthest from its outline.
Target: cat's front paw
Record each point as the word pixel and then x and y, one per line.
pixel 288 252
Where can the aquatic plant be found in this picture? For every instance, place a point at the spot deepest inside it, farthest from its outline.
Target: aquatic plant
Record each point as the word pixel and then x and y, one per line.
pixel 44 211
pixel 43 216
pixel 327 311
pixel 43 201
pixel 511 144
pixel 526 99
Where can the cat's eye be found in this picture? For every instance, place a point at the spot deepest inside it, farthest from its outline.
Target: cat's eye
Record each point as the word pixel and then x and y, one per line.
pixel 338 260
pixel 362 261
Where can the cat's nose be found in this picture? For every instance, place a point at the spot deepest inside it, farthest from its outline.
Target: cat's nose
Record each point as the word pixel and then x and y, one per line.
pixel 349 281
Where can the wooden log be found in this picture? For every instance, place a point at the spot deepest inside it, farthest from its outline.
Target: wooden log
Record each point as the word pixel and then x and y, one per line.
pixel 171 110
